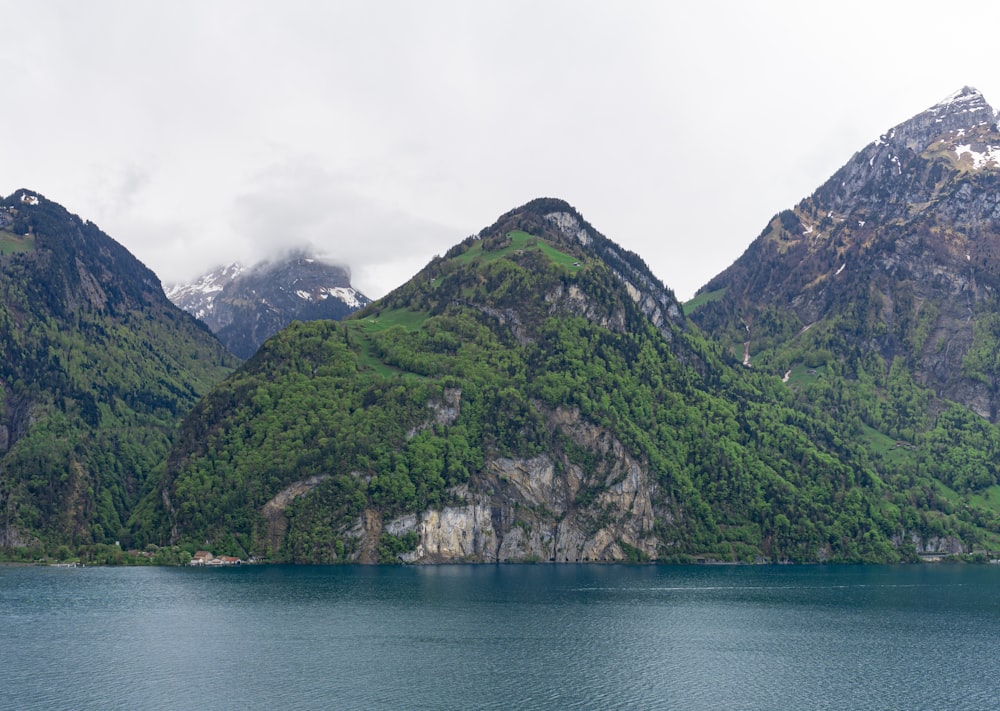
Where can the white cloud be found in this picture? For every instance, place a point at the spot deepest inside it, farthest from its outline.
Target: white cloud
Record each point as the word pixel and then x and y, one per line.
pixel 197 133
pixel 300 204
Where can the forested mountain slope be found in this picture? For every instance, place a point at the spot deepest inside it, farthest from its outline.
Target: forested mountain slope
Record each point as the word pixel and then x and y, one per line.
pixel 536 394
pixel 877 297
pixel 96 370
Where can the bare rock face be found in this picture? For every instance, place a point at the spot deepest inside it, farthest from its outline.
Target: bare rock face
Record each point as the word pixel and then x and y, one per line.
pixel 455 533
pixel 446 410
pixel 653 299
pixel 11 537
pixel 542 508
pixel 933 545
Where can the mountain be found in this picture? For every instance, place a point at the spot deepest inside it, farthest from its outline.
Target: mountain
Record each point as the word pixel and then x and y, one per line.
pixel 246 306
pixel 877 298
pixel 97 368
pixel 897 256
pixel 536 394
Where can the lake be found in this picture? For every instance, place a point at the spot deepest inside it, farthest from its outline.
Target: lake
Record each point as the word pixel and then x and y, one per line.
pixel 501 637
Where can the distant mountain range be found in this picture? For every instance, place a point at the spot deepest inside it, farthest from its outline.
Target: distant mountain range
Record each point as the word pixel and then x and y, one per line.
pixel 246 306
pixel 536 394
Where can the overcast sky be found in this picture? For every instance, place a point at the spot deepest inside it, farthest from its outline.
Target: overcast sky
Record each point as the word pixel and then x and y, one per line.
pixel 382 133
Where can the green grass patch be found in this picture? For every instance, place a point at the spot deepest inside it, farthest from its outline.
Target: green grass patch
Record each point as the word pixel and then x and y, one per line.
pixel 11 243
pixel 364 328
pixel 385 319
pixel 560 258
pixel 988 499
pixel 521 242
pixel 948 494
pixel 702 299
pixel 893 451
pixel 368 359
pixel 801 375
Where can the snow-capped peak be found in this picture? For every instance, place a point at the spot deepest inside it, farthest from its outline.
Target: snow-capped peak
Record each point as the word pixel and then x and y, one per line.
pixel 246 305
pixel 965 94
pixel 207 284
pixel 966 100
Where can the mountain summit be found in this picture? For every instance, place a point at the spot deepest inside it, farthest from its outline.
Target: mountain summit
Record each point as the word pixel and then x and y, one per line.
pixel 246 306
pixel 897 254
pixel 557 220
pixel 965 110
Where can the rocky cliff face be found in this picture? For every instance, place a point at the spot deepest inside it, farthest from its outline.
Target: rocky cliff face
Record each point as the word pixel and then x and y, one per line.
pixel 899 252
pixel 246 306
pixel 546 508
pixel 654 299
pixel 542 508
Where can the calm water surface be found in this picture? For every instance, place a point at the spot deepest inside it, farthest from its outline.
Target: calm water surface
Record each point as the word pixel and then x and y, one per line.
pixel 501 637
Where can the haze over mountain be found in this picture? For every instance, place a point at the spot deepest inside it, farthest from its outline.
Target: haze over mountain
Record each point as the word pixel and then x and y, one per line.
pixel 246 306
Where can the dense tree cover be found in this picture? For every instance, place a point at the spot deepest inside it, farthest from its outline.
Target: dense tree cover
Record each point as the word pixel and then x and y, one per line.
pixel 96 370
pixel 938 458
pixel 745 467
pixel 332 429
pixel 877 296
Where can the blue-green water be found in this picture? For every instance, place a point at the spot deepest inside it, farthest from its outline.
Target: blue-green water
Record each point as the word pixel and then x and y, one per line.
pixel 505 637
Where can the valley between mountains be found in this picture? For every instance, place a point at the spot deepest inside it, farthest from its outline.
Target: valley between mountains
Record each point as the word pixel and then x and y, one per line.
pixel 534 394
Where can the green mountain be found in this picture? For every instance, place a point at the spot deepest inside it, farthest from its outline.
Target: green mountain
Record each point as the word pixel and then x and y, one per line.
pixel 878 298
pixel 537 394
pixel 96 370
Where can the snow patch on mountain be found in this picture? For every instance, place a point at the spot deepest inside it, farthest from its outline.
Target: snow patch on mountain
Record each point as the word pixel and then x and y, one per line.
pixel 211 283
pixel 348 295
pixel 980 159
pixel 198 297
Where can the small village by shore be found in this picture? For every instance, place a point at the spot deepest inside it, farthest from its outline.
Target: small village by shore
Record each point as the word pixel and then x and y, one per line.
pixel 207 559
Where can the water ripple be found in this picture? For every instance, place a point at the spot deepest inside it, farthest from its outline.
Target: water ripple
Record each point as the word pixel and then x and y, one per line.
pixel 499 637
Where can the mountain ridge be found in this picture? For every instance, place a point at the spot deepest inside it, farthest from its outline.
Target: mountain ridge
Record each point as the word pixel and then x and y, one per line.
pixel 538 394
pixel 904 239
pixel 516 401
